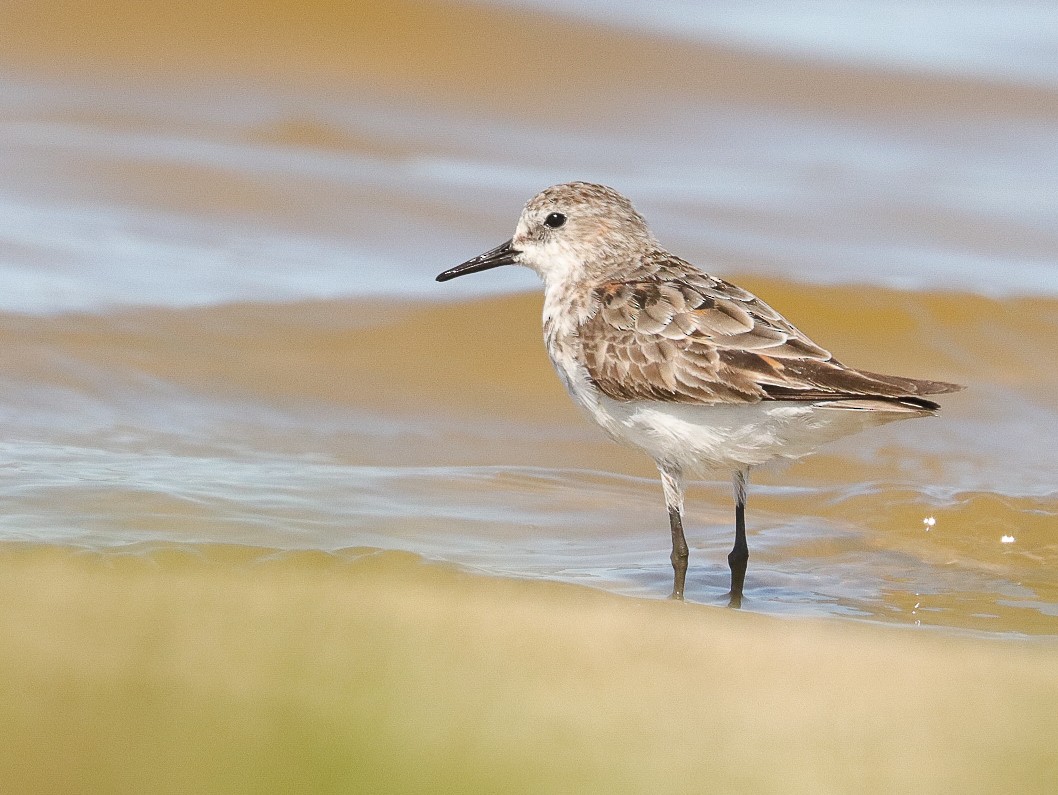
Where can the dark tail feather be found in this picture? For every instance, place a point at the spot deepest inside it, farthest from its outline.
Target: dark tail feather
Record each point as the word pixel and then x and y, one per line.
pixel 914 386
pixel 832 381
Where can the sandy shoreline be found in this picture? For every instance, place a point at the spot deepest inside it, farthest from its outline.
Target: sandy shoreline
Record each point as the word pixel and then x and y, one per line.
pixel 232 672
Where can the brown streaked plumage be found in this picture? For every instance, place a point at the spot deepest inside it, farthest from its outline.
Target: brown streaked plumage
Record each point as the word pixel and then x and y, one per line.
pixel 700 374
pixel 675 334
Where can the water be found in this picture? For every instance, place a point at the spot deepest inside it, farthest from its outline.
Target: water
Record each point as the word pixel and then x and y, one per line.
pixel 218 320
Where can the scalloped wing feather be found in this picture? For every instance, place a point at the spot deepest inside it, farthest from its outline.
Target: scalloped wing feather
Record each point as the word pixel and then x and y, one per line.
pixel 675 334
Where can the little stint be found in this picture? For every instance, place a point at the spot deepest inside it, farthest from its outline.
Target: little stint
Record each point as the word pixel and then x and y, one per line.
pixel 700 374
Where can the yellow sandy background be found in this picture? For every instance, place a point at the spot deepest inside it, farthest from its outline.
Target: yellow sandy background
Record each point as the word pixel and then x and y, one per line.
pixel 254 673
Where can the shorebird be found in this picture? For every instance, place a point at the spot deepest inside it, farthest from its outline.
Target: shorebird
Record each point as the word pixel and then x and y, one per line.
pixel 700 374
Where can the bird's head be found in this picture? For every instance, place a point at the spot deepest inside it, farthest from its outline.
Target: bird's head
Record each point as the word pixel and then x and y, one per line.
pixel 569 232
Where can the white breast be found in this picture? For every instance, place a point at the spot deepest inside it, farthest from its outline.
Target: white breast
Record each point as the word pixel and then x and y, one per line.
pixel 565 309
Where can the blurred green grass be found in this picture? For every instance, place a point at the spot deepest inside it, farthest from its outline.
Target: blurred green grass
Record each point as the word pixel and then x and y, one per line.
pixel 235 670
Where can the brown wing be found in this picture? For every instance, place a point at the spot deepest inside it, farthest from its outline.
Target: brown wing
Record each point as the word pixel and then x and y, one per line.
pixel 682 336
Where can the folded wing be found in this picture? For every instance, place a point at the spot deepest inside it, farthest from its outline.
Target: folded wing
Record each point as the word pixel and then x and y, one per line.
pixel 682 336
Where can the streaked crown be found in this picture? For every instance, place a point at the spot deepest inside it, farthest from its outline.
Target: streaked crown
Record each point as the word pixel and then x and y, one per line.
pixel 580 230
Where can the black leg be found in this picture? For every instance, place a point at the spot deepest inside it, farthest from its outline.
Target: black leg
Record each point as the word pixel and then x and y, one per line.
pixel 673 488
pixel 679 554
pixel 739 555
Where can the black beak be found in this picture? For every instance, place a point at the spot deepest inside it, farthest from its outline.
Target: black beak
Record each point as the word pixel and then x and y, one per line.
pixel 501 255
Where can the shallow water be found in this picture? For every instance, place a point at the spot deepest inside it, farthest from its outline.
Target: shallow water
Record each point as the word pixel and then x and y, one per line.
pixel 218 320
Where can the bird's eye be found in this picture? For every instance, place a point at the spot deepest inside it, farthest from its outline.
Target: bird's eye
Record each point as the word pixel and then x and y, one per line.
pixel 555 220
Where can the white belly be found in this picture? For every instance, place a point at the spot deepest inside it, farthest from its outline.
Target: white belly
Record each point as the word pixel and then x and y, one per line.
pixel 729 437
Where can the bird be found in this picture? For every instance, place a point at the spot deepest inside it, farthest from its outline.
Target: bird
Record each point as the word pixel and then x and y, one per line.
pixel 701 375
